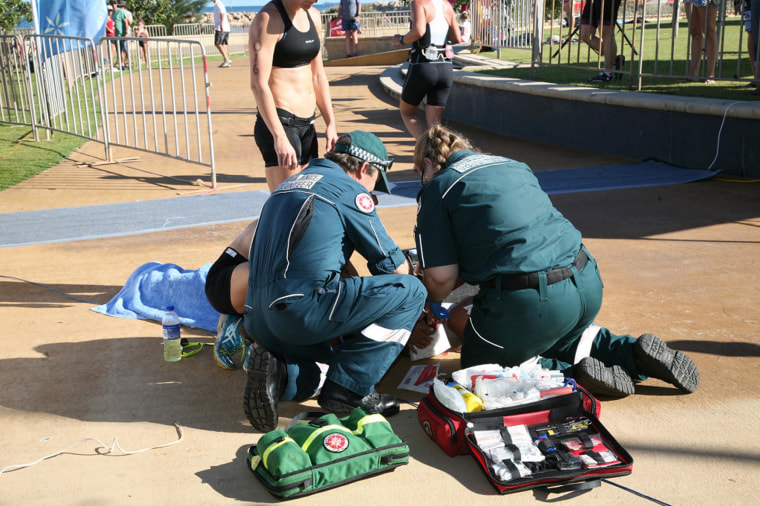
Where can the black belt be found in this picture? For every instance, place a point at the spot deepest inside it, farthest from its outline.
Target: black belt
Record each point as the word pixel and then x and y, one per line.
pixel 296 121
pixel 289 119
pixel 530 280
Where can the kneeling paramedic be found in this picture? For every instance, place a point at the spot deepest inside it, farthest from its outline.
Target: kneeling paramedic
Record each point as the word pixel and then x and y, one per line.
pixel 298 309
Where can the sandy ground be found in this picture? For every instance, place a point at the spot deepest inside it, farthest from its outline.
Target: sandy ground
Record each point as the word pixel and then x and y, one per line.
pixel 679 261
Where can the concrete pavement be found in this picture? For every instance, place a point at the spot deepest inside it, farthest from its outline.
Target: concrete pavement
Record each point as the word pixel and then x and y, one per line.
pixel 678 261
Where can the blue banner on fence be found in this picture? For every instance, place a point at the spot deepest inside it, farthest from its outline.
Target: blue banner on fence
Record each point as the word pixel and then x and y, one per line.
pixel 72 18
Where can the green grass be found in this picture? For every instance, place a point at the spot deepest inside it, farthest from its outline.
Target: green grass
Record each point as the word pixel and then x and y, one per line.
pixel 22 158
pixel 657 54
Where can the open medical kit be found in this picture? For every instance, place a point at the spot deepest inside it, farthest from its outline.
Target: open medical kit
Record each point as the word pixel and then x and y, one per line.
pixel 319 451
pixel 525 431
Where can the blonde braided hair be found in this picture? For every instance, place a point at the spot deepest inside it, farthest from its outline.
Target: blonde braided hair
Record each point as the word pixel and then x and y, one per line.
pixel 437 144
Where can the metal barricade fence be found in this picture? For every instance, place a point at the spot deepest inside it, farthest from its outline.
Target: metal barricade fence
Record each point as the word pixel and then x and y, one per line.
pixel 655 38
pixel 156 100
pixel 15 106
pixel 156 30
pixel 504 24
pixel 204 33
pixel 64 90
pixel 375 23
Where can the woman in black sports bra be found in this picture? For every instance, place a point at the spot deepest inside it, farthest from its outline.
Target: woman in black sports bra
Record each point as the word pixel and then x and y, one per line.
pixel 288 82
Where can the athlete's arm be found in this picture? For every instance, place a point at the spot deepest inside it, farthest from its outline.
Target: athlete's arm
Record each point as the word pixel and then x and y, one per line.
pixel 322 89
pixel 455 33
pixel 419 22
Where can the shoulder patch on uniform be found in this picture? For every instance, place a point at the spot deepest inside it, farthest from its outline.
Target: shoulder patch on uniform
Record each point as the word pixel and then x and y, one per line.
pixel 474 161
pixel 300 181
pixel 364 203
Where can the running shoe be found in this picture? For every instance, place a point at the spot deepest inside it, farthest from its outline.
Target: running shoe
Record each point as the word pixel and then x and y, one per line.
pixel 229 340
pixel 602 77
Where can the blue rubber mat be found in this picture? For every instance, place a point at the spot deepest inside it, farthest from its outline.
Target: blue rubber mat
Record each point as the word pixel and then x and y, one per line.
pixel 112 220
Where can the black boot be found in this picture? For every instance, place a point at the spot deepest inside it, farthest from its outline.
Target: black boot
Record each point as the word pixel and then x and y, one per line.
pixel 267 379
pixel 337 399
pixel 653 357
pixel 602 380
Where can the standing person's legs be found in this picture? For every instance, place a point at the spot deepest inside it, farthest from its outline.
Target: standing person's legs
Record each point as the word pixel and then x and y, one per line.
pixel 755 24
pixel 415 87
pixel 355 42
pixel 349 44
pixel 410 119
pixel 609 46
pixel 711 40
pixel 303 138
pixel 221 40
pixel 588 35
pixel 696 30
pixel 439 92
pixel 425 79
pixel 568 9
pixel 590 22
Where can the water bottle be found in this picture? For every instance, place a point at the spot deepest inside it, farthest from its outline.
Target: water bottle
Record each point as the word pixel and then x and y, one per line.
pixel 172 344
pixel 471 400
pixel 448 396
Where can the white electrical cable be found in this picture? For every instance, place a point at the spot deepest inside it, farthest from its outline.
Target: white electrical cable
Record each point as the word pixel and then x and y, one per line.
pixel 720 131
pixel 109 449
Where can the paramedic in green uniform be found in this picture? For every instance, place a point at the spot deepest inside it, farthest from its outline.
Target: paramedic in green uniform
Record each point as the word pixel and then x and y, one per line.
pixel 485 220
pixel 299 311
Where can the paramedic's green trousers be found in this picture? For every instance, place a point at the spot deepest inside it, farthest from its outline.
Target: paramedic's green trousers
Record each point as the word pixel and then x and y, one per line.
pixel 510 326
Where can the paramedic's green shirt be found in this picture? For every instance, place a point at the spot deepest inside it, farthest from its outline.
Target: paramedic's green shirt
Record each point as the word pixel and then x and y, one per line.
pixel 489 215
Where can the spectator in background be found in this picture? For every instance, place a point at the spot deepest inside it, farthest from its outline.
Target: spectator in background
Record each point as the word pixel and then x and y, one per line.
pixel 142 33
pixel 349 12
pixel 111 32
pixel 702 15
pixel 221 31
pixel 466 27
pixel 604 13
pixel 567 7
pixel 750 38
pixel 130 18
pixel 121 29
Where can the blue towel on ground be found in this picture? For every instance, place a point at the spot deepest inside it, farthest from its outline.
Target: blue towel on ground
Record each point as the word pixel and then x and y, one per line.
pixel 154 285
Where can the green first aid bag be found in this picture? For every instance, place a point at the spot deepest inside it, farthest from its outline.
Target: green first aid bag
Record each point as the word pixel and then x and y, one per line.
pixel 325 452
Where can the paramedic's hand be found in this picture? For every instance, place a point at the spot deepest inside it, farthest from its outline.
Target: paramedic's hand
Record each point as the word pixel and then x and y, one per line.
pixel 422 333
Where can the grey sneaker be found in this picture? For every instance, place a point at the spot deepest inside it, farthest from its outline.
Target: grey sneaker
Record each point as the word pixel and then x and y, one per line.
pixel 602 380
pixel 655 358
pixel 226 64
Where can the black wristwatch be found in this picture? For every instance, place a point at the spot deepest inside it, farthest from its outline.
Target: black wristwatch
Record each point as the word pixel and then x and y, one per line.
pixel 401 39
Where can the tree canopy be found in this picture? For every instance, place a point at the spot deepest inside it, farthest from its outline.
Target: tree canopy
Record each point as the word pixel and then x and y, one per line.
pixel 12 12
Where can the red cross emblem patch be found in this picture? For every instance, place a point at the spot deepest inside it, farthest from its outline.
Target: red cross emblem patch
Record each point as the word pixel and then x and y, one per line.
pixel 335 442
pixel 364 203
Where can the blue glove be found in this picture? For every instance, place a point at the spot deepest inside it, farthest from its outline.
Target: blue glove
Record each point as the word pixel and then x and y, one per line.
pixel 438 310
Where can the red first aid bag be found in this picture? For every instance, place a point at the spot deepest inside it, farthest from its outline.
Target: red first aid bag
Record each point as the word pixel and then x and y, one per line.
pixel 556 443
